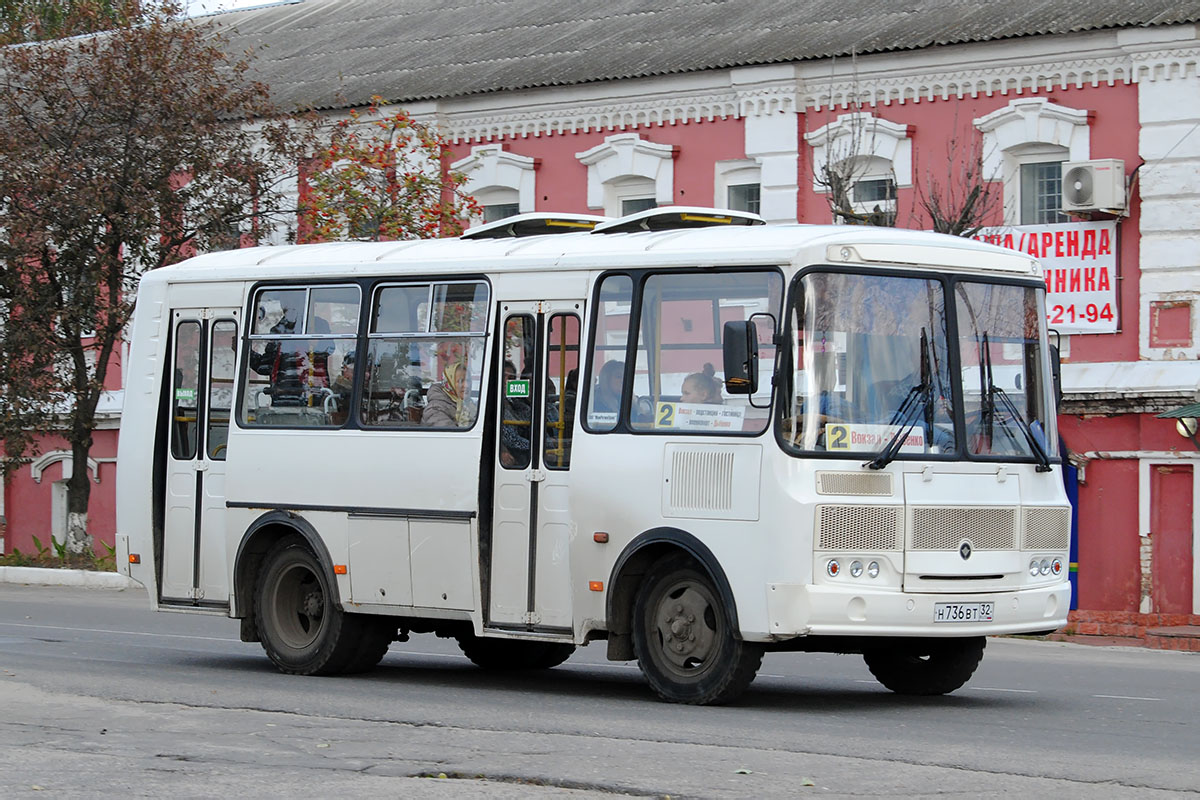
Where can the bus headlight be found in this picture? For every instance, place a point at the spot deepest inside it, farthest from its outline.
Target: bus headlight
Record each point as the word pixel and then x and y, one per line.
pixel 873 569
pixel 1034 568
pixel 833 568
pixel 856 569
pixel 1045 566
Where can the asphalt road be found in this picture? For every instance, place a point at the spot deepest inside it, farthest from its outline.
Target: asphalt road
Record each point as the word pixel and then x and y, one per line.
pixel 99 696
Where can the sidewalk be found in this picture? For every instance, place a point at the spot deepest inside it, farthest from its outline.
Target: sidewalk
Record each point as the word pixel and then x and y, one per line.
pixel 40 576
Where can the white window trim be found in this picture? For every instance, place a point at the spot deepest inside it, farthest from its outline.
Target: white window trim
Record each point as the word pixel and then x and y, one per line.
pixel 494 175
pixel 1027 131
pixel 879 139
pixel 624 156
pixel 734 173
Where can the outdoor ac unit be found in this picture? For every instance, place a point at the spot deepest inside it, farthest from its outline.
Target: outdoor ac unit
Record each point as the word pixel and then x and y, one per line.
pixel 1097 185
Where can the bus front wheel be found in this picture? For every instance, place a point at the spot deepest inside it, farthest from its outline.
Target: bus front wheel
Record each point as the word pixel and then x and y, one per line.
pixel 926 666
pixel 302 630
pixel 684 640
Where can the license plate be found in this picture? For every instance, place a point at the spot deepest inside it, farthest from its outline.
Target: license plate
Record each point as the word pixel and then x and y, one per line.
pixel 963 612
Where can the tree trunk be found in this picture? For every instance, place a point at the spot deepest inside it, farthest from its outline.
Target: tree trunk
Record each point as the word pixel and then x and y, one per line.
pixel 79 491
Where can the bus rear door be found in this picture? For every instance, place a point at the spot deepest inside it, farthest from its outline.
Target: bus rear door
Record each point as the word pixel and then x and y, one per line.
pixel 204 348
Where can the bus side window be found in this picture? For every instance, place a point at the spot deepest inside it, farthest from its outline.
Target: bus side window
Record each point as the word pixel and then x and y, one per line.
pixel 606 369
pixel 221 356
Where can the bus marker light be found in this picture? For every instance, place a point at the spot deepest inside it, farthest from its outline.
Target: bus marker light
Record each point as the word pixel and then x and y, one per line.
pixel 1056 566
pixel 833 568
pixel 134 558
pixel 339 569
pixel 600 537
pixel 596 586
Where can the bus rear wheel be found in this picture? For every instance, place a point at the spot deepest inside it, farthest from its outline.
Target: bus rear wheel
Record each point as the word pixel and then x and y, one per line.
pixel 302 630
pixel 513 654
pixel 926 666
pixel 684 640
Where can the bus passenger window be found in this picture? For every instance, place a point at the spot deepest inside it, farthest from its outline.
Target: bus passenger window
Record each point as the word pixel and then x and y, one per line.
pixel 300 338
pixel 221 356
pixel 424 355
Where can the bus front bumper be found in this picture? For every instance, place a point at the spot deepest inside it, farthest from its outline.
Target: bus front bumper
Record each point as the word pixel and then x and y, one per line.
pixel 798 610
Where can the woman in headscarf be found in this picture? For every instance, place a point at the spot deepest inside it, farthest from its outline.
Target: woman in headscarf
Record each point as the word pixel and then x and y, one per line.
pixel 446 404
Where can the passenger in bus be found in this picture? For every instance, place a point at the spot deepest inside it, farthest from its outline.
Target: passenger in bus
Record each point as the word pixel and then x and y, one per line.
pixel 446 403
pixel 341 387
pixel 606 396
pixel 701 387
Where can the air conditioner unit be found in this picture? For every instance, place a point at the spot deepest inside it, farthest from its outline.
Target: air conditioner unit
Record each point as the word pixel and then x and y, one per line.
pixel 1097 185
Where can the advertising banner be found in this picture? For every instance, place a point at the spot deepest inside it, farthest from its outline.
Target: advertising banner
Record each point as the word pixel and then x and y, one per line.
pixel 1080 261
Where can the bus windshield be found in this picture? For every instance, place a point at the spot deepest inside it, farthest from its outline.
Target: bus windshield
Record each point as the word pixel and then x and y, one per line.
pixel 873 370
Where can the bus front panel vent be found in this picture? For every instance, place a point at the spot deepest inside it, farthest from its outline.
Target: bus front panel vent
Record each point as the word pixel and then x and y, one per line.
pixel 859 528
pixel 862 484
pixel 941 528
pixel 1046 529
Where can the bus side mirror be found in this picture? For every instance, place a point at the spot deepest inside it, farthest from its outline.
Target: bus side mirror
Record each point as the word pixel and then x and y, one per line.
pixel 739 343
pixel 1056 374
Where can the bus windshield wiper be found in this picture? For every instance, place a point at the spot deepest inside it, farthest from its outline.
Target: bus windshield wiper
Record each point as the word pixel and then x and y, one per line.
pixel 918 400
pixel 993 393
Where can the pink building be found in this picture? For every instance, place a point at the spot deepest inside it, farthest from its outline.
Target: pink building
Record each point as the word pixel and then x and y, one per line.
pixel 747 104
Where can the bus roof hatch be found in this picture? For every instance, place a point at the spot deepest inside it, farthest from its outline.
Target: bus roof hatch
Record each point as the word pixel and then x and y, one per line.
pixel 669 218
pixel 535 224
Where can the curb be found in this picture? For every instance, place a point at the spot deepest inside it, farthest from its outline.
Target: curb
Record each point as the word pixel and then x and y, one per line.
pixel 38 576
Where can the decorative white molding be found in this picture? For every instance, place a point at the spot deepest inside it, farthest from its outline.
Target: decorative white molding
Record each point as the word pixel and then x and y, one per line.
pixel 491 166
pixel 627 155
pixel 861 136
pixel 39 465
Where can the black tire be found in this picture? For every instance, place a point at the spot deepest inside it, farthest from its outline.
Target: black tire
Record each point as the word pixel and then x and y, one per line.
pixel 513 654
pixel 302 630
pixel 683 638
pixel 926 666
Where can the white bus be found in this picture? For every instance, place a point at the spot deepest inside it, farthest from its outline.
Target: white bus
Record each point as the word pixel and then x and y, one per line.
pixel 693 436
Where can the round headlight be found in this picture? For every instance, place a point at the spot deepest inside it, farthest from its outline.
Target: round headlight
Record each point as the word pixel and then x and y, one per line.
pixel 873 569
pixel 1034 568
pixel 856 569
pixel 1056 566
pixel 833 568
pixel 1045 567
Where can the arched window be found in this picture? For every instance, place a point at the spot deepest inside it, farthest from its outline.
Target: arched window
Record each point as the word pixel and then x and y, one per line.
pixel 627 174
pixel 1024 145
pixel 503 183
pixel 865 157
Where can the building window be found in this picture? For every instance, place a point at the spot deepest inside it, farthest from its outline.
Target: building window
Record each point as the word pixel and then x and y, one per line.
pixel 635 204
pixel 1041 193
pixel 499 211
pixel 744 197
pixel 874 190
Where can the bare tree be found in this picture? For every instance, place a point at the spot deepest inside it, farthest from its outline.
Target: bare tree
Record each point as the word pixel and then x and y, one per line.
pixel 958 196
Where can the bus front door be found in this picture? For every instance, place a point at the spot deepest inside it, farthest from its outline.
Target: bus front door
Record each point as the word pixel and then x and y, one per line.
pixel 204 347
pixel 529 581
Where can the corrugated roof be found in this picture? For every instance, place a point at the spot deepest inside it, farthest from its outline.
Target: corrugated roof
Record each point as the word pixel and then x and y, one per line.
pixel 331 53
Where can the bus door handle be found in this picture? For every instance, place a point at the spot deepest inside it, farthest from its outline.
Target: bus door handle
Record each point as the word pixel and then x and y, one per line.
pixel 535 475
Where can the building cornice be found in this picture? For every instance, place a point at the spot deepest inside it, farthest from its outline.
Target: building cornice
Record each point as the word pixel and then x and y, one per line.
pixel 1004 68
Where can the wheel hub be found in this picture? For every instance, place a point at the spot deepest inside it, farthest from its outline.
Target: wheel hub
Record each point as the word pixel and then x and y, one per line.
pixel 687 640
pixel 313 605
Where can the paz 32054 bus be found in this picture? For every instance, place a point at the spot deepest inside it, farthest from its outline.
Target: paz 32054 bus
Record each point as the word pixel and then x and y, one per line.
pixel 690 435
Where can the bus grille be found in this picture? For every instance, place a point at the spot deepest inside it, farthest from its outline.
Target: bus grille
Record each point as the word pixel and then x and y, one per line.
pixel 871 528
pixel 1046 529
pixel 855 483
pixel 946 528
pixel 702 480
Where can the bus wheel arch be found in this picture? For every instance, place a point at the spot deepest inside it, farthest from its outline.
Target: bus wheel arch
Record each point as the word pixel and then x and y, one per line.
pixel 631 568
pixel 258 540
